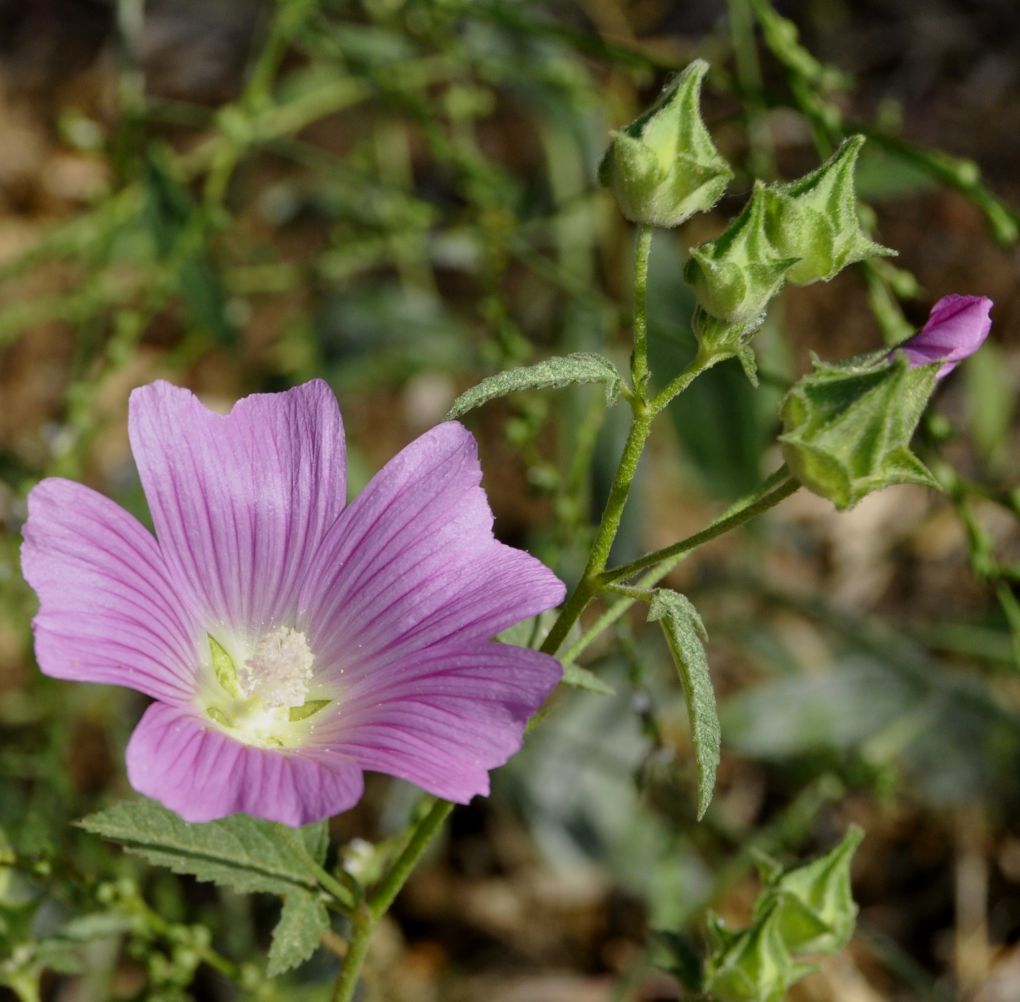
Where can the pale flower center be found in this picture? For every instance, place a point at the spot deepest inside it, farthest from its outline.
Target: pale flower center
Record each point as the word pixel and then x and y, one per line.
pixel 279 670
pixel 263 700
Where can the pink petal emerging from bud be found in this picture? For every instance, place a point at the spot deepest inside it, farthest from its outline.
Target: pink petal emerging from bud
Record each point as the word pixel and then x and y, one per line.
pixel 956 328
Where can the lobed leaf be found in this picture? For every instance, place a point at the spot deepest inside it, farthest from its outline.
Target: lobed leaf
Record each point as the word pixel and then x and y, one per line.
pixel 685 633
pixel 297 935
pixel 241 852
pixel 553 373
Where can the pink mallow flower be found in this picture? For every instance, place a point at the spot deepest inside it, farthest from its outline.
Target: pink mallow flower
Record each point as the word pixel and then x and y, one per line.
pixel 291 641
pixel 957 326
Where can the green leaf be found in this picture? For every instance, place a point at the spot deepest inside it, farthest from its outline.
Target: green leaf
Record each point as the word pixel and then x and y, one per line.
pixel 685 634
pixel 298 933
pixel 239 851
pixel 990 402
pixel 316 841
pixel 553 373
pixel 99 925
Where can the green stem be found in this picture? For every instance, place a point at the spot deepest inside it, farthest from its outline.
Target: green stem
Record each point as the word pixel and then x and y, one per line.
pixel 787 486
pixel 609 524
pixel 357 948
pixel 367 917
pixel 608 527
pixel 325 879
pixel 654 576
pixel 593 579
pixel 702 363
pixel 639 357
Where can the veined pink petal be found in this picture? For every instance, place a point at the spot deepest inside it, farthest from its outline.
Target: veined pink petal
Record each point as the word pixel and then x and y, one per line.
pixel 240 502
pixel 413 562
pixel 442 718
pixel 108 611
pixel 393 601
pixel 198 771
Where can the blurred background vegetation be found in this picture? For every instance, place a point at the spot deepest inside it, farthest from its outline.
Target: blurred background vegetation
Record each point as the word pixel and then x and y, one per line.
pixel 399 196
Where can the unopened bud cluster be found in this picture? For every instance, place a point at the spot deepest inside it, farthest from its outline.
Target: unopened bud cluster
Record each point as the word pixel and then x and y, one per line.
pixel 806 910
pixel 801 232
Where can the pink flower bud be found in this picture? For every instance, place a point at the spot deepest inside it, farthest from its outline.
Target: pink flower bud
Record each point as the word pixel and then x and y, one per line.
pixel 956 328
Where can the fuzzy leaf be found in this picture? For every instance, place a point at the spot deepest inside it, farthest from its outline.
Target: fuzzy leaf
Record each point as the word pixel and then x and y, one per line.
pixel 553 373
pixel 685 634
pixel 239 851
pixel 316 840
pixel 297 935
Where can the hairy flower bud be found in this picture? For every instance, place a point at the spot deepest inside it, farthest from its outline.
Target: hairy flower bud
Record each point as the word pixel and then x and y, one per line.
pixel 815 219
pixel 815 910
pixel 752 965
pixel 664 167
pixel 735 275
pixel 847 427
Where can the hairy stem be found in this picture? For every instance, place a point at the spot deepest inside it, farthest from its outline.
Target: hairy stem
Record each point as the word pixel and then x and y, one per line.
pixel 639 356
pixel 368 916
pixel 606 532
pixel 657 573
pixel 787 486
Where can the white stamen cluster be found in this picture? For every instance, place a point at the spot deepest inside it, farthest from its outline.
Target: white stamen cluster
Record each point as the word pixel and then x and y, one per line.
pixel 279 670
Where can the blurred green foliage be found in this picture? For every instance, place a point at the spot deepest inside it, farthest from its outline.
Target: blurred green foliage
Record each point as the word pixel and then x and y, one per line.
pixel 400 197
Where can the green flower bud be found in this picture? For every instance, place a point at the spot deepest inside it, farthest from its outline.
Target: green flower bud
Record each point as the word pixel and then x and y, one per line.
pixel 735 275
pixel 815 219
pixel 753 965
pixel 847 426
pixel 814 908
pixel 664 167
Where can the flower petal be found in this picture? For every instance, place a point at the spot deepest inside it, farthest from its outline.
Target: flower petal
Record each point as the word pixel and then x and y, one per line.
pixel 240 502
pixel 445 718
pixel 203 774
pixel 413 562
pixel 107 609
pixel 956 327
